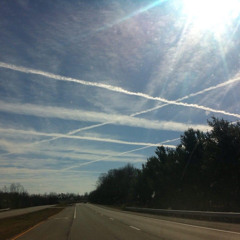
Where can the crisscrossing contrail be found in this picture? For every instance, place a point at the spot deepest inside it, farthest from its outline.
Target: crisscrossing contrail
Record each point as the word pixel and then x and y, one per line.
pixel 113 88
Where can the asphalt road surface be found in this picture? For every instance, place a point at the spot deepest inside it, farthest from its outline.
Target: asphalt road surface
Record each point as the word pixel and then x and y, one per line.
pixel 90 222
pixel 16 212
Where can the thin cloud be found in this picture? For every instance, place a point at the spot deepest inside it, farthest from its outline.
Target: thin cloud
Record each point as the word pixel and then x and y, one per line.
pixel 231 81
pixel 8 107
pixel 113 88
pixel 30 132
pixel 122 153
pixel 115 154
pixel 140 94
pixel 73 132
pixel 42 111
pixel 81 115
pixel 58 152
pixel 16 170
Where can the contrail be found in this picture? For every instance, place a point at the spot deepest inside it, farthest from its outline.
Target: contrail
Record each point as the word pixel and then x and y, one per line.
pixel 190 95
pixel 121 90
pixel 73 132
pixel 118 89
pixel 98 117
pixel 13 67
pixel 59 137
pixel 152 109
pixel 234 80
pixel 17 131
pixel 26 70
pixel 63 113
pixel 112 88
pixel 120 154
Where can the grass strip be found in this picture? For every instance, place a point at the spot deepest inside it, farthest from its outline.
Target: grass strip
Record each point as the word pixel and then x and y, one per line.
pixel 12 226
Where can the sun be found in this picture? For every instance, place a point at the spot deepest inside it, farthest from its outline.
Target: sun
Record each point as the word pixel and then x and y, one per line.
pixel 213 15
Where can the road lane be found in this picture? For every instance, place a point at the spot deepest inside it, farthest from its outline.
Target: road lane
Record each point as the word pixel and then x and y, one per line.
pixel 17 212
pixel 90 225
pixel 91 222
pixel 167 229
pixel 56 227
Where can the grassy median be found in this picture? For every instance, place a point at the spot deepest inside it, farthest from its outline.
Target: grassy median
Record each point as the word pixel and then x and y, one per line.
pixel 12 226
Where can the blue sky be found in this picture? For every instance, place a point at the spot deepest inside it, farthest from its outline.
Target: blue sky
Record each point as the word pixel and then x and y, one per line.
pixel 86 86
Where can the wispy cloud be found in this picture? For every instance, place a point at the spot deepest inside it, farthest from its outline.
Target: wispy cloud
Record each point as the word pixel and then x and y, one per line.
pixel 55 158
pixel 113 88
pixel 55 154
pixel 231 81
pixel 87 116
pixel 120 154
pixel 220 85
pixel 15 170
pixel 31 132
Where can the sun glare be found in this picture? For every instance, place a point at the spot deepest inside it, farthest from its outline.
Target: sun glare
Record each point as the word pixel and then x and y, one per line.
pixel 214 15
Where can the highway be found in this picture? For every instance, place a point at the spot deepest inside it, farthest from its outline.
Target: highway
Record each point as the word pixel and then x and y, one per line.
pixel 16 212
pixel 91 222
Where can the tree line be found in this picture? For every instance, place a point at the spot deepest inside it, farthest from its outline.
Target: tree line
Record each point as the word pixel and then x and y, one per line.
pixel 15 196
pixel 202 173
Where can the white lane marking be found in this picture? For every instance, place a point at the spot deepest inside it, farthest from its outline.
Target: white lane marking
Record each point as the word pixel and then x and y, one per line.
pixel 194 226
pixel 61 218
pixel 207 228
pixel 111 219
pixel 178 223
pixel 75 212
pixel 135 228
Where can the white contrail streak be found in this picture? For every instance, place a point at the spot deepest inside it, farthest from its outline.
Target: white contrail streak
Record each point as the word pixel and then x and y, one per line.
pixel 112 88
pixel 63 113
pixel 120 154
pixel 30 132
pixel 150 109
pixel 117 89
pixel 81 115
pixel 97 117
pixel 231 81
pixel 234 80
pixel 59 137
pixel 73 132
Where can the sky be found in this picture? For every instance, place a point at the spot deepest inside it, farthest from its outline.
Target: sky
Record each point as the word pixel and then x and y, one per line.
pixel 87 86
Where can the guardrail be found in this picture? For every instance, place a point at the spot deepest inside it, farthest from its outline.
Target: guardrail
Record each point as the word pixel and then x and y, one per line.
pixel 206 215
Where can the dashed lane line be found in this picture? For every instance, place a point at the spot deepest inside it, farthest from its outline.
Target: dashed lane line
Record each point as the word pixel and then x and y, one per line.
pixel 135 228
pixel 75 213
